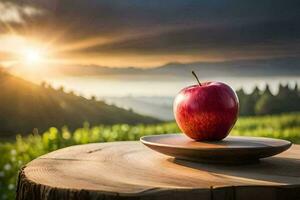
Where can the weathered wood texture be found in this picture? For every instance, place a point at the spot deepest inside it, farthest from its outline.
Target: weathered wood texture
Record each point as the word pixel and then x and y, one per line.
pixel 129 170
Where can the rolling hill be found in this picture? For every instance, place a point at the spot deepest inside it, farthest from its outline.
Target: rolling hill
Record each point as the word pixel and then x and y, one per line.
pixel 25 106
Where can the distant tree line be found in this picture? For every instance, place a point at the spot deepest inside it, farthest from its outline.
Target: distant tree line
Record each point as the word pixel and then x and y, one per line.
pixel 263 102
pixel 258 102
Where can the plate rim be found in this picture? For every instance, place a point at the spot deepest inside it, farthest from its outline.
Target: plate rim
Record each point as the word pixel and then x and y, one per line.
pixel 148 143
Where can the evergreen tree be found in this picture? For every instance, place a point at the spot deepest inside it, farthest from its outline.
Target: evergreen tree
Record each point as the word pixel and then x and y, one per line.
pixel 247 108
pixel 265 103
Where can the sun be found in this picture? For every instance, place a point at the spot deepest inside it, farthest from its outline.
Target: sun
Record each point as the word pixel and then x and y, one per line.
pixel 33 56
pixel 29 54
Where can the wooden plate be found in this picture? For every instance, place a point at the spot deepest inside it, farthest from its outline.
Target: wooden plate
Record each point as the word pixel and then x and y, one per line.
pixel 234 149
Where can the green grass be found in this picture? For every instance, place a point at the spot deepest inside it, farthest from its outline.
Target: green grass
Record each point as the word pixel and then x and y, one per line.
pixel 19 152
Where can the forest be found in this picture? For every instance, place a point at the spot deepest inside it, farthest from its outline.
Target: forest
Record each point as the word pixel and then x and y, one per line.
pixel 263 102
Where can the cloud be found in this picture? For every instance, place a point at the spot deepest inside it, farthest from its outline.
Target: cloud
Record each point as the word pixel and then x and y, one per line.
pixel 14 13
pixel 224 36
pixel 209 28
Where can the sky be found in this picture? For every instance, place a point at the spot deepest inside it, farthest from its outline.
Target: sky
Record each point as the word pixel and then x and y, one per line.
pixel 143 33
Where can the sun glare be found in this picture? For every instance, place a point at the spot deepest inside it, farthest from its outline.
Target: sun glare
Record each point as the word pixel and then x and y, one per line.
pixel 33 56
pixel 29 54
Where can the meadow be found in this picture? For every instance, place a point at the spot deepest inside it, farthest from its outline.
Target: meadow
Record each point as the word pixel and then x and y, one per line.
pixel 17 153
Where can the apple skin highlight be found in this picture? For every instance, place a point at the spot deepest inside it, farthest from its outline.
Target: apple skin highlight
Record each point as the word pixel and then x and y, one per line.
pixel 207 111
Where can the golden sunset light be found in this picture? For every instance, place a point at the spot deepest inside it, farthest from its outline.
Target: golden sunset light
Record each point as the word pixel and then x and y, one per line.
pixel 214 83
pixel 33 56
pixel 24 51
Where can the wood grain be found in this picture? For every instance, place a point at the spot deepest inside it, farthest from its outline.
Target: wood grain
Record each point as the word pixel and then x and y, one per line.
pixel 129 170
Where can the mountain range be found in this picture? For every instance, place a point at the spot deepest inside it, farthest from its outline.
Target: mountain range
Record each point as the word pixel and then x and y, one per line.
pixel 287 66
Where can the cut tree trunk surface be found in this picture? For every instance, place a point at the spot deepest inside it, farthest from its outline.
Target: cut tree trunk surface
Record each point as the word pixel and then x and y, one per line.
pixel 129 170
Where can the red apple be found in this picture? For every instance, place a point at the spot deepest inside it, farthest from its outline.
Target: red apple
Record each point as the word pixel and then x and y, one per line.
pixel 206 111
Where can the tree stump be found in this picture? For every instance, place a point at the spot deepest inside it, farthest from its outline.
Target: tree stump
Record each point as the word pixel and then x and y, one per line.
pixel 129 170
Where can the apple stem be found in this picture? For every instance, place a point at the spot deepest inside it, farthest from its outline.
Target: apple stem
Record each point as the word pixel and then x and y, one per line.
pixel 196 77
